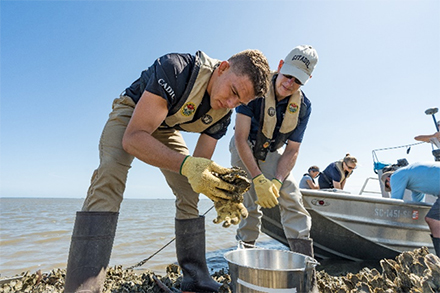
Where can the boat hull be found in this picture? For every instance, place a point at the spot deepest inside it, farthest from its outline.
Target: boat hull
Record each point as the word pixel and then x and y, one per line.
pixel 354 227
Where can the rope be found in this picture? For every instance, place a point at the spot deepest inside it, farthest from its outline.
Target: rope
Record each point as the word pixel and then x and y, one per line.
pixel 401 146
pixel 396 147
pixel 142 262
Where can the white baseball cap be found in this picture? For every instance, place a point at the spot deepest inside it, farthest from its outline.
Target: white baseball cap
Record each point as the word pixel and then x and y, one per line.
pixel 384 177
pixel 300 63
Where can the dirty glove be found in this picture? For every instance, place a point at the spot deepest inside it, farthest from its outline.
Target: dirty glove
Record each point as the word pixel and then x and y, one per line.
pixel 199 174
pixel 266 191
pixel 230 212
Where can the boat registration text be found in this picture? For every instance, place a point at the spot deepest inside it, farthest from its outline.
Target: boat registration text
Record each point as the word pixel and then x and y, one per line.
pixel 396 213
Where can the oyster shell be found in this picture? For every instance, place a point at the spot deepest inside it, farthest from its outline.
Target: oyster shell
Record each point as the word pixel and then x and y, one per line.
pixel 411 271
pixel 237 177
pixel 396 276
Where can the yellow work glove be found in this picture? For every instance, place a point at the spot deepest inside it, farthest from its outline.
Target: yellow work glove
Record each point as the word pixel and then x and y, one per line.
pixel 267 192
pixel 277 184
pixel 230 212
pixel 199 174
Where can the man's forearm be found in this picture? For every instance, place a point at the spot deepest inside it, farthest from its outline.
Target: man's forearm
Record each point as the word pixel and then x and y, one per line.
pixel 287 160
pixel 205 147
pixel 285 165
pixel 427 138
pixel 146 148
pixel 247 158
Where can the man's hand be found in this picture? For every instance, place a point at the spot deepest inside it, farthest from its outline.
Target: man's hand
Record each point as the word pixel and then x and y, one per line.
pixel 199 172
pixel 230 212
pixel 267 192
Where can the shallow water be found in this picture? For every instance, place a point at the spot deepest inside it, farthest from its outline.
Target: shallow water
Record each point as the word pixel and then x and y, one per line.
pixel 35 234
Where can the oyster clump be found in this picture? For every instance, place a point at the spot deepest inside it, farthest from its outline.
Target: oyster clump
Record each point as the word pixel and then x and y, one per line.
pixel 237 177
pixel 230 211
pixel 411 271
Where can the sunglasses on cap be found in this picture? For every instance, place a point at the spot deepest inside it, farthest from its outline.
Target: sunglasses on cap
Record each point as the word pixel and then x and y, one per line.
pixel 350 167
pixel 296 80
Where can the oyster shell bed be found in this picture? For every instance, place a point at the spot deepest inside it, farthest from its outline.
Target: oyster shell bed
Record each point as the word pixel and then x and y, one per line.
pixel 412 271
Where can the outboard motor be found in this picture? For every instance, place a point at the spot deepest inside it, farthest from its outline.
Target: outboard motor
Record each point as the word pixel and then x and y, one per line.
pixel 400 163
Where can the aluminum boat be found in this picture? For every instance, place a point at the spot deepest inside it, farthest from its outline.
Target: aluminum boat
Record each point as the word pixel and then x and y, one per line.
pixel 360 227
pixel 356 227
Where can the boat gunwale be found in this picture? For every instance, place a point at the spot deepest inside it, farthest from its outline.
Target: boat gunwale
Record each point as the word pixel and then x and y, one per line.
pixel 357 197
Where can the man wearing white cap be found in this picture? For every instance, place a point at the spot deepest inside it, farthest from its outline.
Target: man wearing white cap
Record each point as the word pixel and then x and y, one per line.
pixel 420 178
pixel 268 134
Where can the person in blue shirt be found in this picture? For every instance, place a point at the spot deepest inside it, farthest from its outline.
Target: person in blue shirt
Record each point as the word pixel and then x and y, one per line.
pixel 308 179
pixel 420 178
pixel 335 175
pixel 268 135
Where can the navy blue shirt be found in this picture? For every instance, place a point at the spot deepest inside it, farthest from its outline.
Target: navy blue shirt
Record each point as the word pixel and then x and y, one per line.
pixel 168 78
pixel 330 174
pixel 253 110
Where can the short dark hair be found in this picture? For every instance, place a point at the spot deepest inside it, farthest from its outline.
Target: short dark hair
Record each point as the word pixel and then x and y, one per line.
pixel 252 63
pixel 313 168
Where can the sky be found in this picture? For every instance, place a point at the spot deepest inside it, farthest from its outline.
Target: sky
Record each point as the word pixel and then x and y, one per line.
pixel 63 63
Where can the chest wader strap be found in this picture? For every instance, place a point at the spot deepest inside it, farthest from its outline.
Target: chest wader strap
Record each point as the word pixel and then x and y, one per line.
pixel 344 176
pixel 330 182
pixel 268 121
pixel 183 113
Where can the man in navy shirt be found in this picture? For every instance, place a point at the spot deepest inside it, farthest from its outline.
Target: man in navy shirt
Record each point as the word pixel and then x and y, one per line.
pixel 262 129
pixel 179 92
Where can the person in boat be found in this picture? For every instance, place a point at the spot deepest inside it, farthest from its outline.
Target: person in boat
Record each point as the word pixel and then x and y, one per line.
pixel 268 135
pixel 335 175
pixel 420 178
pixel 308 179
pixel 178 92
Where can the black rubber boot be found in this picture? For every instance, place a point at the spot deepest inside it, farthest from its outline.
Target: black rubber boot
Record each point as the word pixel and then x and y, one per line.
pixel 301 245
pixel 436 242
pixel 90 250
pixel 190 249
pixel 305 246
